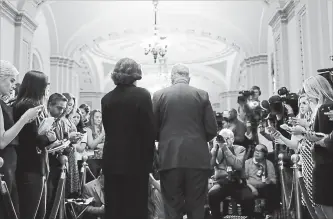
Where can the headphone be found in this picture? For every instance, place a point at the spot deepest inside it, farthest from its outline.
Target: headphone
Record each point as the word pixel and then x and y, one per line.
pixel 256 88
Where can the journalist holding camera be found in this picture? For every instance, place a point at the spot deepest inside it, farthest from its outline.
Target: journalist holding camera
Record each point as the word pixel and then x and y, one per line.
pixel 228 162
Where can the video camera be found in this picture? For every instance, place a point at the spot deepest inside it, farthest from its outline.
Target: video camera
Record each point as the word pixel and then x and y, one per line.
pixel 254 111
pixel 288 98
pixel 246 93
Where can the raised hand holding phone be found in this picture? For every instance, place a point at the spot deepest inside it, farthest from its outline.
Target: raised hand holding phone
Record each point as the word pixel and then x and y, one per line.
pixel 32 113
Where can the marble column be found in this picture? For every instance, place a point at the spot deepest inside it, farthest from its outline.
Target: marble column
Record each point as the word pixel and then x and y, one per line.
pixel 279 24
pixel 54 76
pixel 62 71
pixel 318 32
pixel 256 70
pixel 24 27
pixel 228 100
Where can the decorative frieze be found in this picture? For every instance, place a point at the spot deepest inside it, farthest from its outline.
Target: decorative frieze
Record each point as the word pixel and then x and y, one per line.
pixel 229 94
pixel 18 18
pixel 63 62
pixel 255 60
pixel 283 15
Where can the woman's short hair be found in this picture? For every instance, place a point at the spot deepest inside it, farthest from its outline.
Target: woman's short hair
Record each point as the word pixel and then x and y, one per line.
pixel 7 69
pixel 126 71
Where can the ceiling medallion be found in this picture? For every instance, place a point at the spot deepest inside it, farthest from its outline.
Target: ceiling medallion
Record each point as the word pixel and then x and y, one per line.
pixel 156 45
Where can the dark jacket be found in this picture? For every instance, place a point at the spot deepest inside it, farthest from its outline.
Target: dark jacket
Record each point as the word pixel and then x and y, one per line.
pixel 128 121
pixel 323 160
pixel 185 122
pixel 31 155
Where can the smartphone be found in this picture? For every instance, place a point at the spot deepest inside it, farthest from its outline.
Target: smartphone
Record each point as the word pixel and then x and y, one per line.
pixel 286 127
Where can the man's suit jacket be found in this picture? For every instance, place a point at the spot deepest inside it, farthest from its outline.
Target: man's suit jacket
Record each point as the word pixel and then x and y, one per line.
pixel 128 121
pixel 185 122
pixel 93 189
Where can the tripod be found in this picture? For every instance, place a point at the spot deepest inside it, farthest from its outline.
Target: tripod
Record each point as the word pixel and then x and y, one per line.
pixel 84 169
pixel 59 202
pixel 6 196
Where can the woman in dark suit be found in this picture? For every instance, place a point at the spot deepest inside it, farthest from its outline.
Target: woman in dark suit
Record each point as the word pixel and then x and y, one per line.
pixel 32 165
pixel 320 94
pixel 127 117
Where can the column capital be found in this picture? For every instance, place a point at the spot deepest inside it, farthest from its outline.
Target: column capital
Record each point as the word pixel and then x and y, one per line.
pixel 283 15
pixel 63 62
pixel 18 18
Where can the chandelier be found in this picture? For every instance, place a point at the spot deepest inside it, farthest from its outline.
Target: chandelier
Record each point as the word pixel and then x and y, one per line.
pixel 156 45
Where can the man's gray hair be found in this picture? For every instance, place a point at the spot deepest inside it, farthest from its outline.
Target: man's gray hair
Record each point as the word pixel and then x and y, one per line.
pixel 226 133
pixel 180 70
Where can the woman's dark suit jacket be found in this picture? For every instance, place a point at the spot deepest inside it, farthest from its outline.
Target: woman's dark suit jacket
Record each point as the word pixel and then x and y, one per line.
pixel 323 159
pixel 31 154
pixel 127 116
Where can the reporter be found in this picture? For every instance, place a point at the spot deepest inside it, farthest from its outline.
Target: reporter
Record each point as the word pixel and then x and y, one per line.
pixel 9 131
pixel 73 179
pixel 95 141
pixel 261 177
pixel 228 162
pixel 32 162
pixel 320 95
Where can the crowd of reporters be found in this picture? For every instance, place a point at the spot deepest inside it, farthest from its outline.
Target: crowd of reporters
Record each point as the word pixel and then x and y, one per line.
pixel 180 118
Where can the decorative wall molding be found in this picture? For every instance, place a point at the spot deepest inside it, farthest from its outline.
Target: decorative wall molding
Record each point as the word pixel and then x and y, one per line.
pixel 229 94
pixel 302 33
pixel 85 94
pixel 17 18
pixel 63 62
pixel 255 60
pixel 8 11
pixel 94 45
pixel 283 15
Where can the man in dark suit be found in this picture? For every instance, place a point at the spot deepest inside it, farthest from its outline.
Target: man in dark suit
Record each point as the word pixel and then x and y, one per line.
pixel 95 189
pixel 185 122
pixel 128 121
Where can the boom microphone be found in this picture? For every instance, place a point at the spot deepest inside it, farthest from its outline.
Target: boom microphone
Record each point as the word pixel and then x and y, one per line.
pixel 325 70
pixel 1 162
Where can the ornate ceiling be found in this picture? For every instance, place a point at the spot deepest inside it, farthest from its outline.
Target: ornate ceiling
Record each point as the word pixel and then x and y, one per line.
pixel 207 35
pixel 185 46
